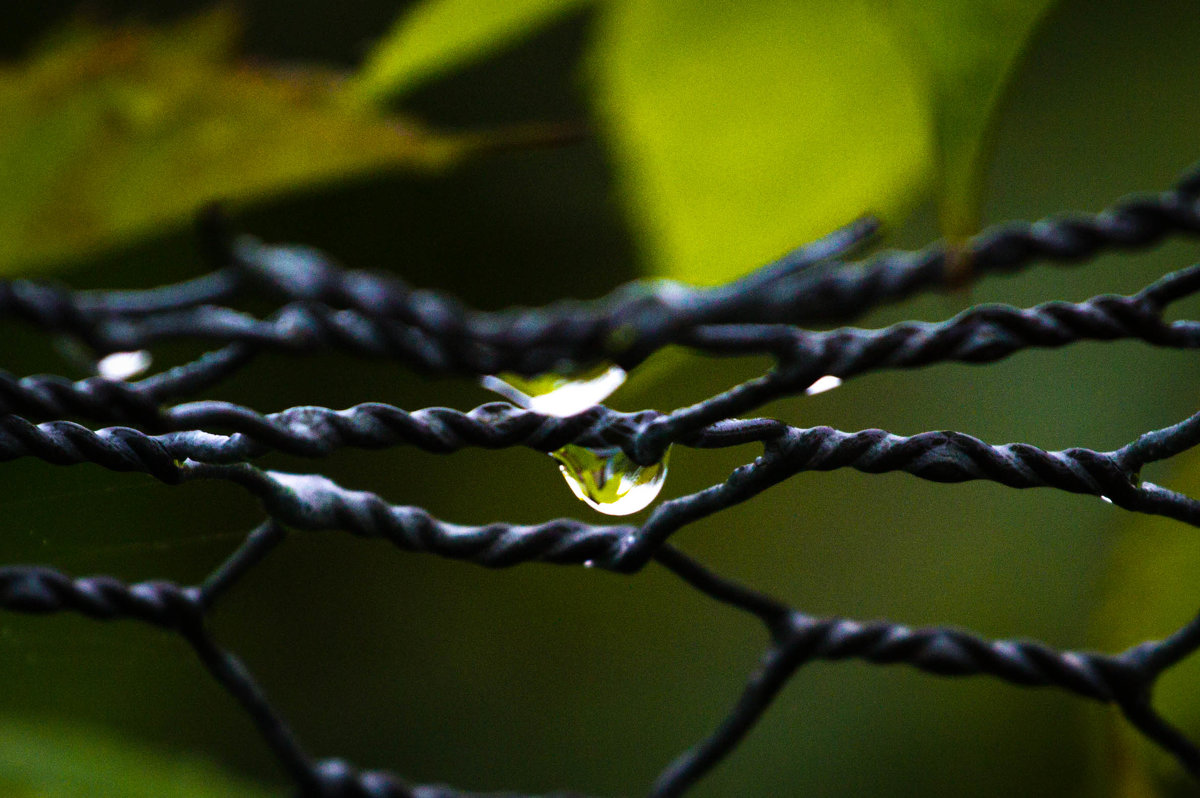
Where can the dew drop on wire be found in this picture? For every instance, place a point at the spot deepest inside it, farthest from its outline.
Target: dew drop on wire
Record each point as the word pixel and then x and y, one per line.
pixel 823 384
pixel 558 394
pixel 123 365
pixel 608 481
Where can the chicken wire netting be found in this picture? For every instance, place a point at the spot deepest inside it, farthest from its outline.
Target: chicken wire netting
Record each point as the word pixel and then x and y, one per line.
pixel 148 426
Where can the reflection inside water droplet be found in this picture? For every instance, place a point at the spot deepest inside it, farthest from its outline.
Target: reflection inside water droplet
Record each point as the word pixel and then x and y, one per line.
pixel 123 365
pixel 608 481
pixel 823 384
pixel 557 394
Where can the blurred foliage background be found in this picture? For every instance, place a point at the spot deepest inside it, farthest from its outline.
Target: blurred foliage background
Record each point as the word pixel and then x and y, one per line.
pixel 722 135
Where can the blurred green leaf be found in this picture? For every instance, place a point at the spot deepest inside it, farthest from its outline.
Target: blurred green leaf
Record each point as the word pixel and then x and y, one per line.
pixel 1150 593
pixel 968 51
pixel 741 130
pixel 437 35
pixel 109 134
pixel 52 760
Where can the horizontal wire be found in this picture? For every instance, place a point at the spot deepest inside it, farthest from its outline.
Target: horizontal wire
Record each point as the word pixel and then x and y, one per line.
pixel 313 501
pixel 435 332
pixel 981 334
pixel 798 639
pixel 356 311
pixel 443 335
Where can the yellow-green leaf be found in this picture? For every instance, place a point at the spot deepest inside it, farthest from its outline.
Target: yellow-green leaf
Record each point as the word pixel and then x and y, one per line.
pixel 743 129
pixel 111 134
pixel 1149 593
pixel 435 36
pixel 968 51
pixel 54 760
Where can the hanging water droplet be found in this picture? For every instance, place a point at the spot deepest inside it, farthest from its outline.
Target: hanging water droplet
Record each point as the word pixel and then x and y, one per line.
pixel 558 394
pixel 608 481
pixel 589 563
pixel 123 365
pixel 823 384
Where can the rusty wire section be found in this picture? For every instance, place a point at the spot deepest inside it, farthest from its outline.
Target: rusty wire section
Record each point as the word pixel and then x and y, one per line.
pixel 324 306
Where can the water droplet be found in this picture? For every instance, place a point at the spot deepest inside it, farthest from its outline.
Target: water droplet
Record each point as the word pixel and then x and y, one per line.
pixel 608 481
pixel 558 394
pixel 123 365
pixel 823 384
pixel 1106 499
pixel 589 563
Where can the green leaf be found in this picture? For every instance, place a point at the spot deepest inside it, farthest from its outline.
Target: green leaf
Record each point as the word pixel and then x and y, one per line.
pixel 53 760
pixel 1149 592
pixel 742 130
pixel 110 134
pixel 435 36
pixel 968 50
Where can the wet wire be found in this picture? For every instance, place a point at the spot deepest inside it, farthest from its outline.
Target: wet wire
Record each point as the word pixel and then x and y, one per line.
pixel 151 428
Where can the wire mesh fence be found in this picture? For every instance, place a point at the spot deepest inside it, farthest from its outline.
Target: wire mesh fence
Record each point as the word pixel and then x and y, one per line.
pixel 152 429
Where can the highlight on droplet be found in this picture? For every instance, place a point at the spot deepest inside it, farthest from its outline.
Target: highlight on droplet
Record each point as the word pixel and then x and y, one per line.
pixel 823 384
pixel 123 365
pixel 558 394
pixel 608 481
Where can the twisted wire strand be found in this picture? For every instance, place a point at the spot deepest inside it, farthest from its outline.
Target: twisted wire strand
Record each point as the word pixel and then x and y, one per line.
pixel 637 319
pixel 50 396
pixel 61 309
pixel 981 334
pixel 381 316
pixel 35 589
pixel 797 639
pixel 435 332
pixel 315 502
pixel 306 326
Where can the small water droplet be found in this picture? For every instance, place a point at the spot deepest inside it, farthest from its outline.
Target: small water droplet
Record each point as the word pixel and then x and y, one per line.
pixel 123 365
pixel 1106 499
pixel 589 563
pixel 823 384
pixel 558 394
pixel 608 481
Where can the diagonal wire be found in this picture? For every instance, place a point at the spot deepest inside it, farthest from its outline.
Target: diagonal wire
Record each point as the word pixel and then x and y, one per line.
pixel 369 314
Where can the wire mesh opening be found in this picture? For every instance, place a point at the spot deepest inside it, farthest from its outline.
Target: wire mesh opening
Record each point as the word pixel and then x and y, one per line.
pixel 149 426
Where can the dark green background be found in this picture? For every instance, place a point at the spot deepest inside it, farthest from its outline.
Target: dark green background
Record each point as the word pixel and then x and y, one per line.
pixel 539 677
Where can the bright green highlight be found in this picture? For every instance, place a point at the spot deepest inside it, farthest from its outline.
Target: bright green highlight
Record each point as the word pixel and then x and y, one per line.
pixel 743 129
pixel 434 37
pixel 558 394
pixel 608 481
pixel 604 479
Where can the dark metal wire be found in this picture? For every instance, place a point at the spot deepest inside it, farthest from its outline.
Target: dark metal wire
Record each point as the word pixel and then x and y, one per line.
pixel 153 432
pixel 978 335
